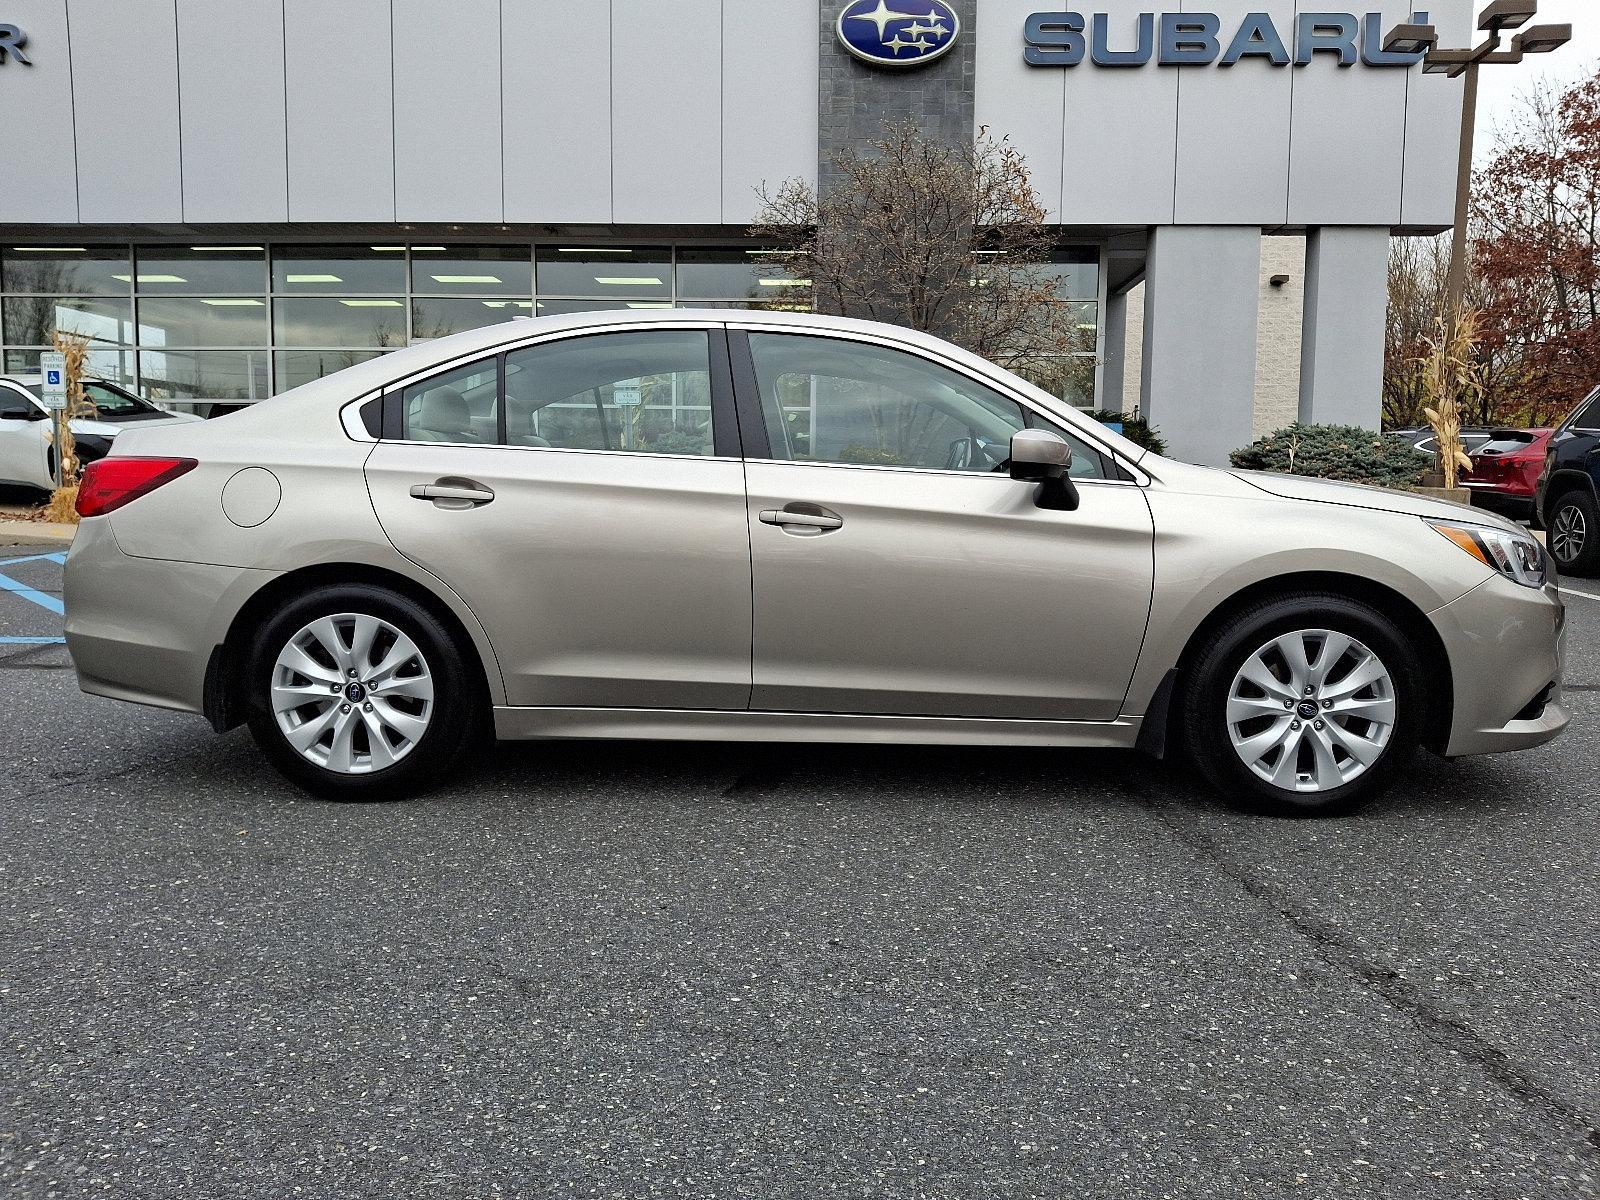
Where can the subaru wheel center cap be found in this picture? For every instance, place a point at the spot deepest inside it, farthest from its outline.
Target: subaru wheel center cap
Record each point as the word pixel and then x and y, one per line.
pixel 355 693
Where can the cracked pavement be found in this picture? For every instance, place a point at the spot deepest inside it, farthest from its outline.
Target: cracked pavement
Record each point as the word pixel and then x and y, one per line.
pixel 678 970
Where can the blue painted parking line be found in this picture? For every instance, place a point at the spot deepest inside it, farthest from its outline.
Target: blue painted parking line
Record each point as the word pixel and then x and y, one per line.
pixel 57 557
pixel 42 599
pixel 33 641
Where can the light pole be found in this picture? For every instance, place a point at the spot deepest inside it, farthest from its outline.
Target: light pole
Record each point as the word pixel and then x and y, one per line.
pixel 1494 20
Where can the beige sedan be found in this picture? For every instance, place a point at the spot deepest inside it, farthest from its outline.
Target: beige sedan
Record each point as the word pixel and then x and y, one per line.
pixel 751 526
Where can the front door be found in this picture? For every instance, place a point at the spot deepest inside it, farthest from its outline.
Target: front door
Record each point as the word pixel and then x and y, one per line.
pixel 898 569
pixel 585 498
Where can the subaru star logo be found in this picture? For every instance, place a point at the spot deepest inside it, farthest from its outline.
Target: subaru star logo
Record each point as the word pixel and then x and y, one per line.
pixel 906 35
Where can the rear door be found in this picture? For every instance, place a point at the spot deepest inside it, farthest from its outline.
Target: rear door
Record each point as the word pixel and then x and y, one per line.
pixel 585 497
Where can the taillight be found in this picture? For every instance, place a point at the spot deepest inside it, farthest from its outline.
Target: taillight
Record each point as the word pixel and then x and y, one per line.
pixel 112 482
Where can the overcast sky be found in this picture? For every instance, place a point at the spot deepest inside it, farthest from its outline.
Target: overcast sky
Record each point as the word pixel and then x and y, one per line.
pixel 1499 86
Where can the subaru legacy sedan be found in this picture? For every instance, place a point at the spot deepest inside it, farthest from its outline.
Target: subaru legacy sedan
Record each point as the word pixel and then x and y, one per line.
pixel 770 527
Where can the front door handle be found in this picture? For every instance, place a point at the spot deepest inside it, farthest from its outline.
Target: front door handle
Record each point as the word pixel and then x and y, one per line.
pixel 789 520
pixel 453 493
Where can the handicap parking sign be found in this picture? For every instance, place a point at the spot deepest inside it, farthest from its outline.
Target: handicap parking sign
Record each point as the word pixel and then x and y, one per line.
pixel 53 369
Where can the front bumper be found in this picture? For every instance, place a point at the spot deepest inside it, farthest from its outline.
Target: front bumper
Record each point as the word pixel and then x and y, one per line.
pixel 1507 646
pixel 143 629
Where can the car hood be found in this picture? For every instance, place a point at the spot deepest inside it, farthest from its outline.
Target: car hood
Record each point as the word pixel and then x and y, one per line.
pixel 1357 495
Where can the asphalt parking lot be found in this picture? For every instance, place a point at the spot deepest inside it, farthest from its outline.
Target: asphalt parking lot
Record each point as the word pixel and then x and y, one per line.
pixel 714 971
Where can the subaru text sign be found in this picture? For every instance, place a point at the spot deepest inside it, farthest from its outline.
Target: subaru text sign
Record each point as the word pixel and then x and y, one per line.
pixel 1198 39
pixel 12 40
pixel 907 34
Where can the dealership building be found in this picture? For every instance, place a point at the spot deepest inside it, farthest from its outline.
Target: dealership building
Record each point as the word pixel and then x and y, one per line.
pixel 233 198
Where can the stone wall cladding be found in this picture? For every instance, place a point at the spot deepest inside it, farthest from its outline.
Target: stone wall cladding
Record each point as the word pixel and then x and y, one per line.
pixel 854 100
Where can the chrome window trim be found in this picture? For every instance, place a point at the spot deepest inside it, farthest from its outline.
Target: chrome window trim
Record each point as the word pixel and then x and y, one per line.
pixel 645 454
pixel 939 471
pixel 513 346
pixel 400 382
pixel 1028 403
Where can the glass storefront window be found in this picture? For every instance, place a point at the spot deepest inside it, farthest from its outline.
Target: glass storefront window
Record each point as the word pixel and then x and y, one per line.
pixel 201 270
pixel 213 321
pixel 167 375
pixel 85 270
pixel 603 271
pixel 338 269
pixel 435 317
pixel 114 365
pixel 737 274
pixel 213 317
pixel 346 321
pixel 32 320
pixel 1076 271
pixel 472 270
pixel 560 308
pixel 294 367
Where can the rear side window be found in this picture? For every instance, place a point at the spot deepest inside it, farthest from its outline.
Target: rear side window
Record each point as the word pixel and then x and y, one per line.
pixel 645 392
pixel 460 406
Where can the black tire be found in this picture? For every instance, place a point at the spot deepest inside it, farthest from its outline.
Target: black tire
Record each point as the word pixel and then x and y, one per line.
pixel 1204 720
pixel 454 715
pixel 1574 533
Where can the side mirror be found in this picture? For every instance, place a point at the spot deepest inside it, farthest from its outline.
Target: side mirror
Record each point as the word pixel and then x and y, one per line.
pixel 1039 456
pixel 22 412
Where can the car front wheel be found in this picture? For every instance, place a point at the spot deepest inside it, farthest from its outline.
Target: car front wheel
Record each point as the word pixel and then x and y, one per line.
pixel 1574 534
pixel 359 693
pixel 1305 705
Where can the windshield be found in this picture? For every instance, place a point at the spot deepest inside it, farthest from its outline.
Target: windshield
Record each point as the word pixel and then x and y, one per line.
pixel 108 399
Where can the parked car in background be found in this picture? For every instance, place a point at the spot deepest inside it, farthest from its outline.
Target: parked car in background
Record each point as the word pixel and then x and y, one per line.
pixel 1424 442
pixel 27 453
pixel 1505 471
pixel 774 526
pixel 1569 490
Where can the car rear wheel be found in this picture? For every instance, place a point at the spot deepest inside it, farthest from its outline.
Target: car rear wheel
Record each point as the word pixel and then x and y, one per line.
pixel 359 693
pixel 1574 534
pixel 1304 706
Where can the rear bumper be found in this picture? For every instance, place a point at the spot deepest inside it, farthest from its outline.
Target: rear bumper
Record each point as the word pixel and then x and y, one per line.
pixel 1507 646
pixel 143 629
pixel 1507 504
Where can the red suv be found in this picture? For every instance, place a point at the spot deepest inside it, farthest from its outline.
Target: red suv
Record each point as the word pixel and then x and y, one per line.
pixel 1505 471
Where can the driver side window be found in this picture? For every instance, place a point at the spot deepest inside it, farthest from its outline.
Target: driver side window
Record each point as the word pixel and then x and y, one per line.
pixel 830 400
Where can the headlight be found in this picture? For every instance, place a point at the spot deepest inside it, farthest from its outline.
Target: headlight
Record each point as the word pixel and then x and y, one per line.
pixel 1515 555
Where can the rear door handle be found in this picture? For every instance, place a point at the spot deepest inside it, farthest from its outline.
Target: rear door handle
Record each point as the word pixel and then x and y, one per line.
pixel 460 494
pixel 816 522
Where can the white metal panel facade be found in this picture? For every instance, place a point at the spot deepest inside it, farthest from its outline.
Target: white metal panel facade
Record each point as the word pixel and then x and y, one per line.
pixel 447 111
pixel 38 98
pixel 341 110
pixel 665 112
pixel 557 106
pixel 232 106
pixel 125 110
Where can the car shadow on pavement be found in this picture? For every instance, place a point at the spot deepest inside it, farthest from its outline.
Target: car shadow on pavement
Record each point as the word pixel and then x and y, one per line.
pixel 1090 778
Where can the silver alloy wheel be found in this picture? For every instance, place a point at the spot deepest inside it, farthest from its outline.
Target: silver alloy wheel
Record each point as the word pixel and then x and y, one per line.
pixel 352 693
pixel 1312 710
pixel 1568 534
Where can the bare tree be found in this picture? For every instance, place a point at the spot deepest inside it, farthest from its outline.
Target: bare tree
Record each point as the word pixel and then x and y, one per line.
pixel 950 240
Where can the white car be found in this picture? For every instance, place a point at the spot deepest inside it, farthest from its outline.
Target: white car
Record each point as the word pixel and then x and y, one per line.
pixel 27 456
